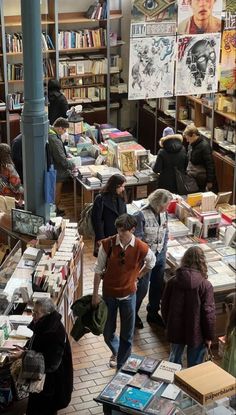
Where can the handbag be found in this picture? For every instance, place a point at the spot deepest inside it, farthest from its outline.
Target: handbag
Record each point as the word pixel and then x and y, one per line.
pixel 185 183
pixel 33 366
pixel 50 176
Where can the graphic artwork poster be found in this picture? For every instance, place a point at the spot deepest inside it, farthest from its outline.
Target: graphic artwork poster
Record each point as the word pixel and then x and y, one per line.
pixel 151 67
pixel 197 17
pixel 196 64
pixel 153 10
pixel 228 69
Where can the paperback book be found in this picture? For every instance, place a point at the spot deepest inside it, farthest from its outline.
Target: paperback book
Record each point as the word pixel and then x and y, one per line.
pixel 134 398
pixel 152 385
pixel 133 363
pixel 138 380
pixel 165 371
pixel 112 391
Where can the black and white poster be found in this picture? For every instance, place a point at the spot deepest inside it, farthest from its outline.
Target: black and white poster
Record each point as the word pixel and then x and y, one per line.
pixel 196 64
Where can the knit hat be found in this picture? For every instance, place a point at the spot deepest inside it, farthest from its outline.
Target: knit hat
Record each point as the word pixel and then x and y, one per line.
pixel 167 131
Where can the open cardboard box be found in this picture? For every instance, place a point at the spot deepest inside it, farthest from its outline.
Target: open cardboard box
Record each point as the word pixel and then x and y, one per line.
pixel 48 245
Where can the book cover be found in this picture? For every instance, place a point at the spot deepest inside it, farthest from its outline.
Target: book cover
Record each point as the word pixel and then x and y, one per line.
pixel 160 407
pixel 112 391
pixel 148 365
pixel 128 162
pixel 138 380
pixel 152 385
pixel 134 398
pixel 171 392
pixel 133 363
pixel 165 371
pixel 122 378
pixel 226 251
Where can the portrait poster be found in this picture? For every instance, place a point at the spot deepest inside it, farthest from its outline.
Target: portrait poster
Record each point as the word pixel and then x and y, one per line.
pixel 195 17
pixel 153 10
pixel 196 64
pixel 151 67
pixel 228 69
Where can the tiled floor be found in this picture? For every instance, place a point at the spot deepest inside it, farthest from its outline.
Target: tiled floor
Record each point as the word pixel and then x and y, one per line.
pixel 91 355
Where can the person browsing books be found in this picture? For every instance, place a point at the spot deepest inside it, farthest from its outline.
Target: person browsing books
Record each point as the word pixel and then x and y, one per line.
pixel 200 160
pixel 62 163
pixel 188 309
pixel 108 205
pixel 171 155
pixel 58 105
pixel 122 260
pixel 153 229
pixel 10 183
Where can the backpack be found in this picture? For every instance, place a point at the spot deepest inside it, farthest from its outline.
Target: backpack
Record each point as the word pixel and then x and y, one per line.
pixel 85 225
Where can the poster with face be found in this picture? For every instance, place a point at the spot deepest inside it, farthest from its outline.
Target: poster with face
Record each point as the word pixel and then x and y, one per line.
pixel 196 64
pixel 199 16
pixel 153 10
pixel 151 67
pixel 228 70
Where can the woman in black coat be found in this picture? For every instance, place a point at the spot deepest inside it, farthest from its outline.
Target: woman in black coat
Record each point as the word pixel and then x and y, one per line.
pixel 172 155
pixel 51 340
pixel 108 205
pixel 58 105
pixel 200 161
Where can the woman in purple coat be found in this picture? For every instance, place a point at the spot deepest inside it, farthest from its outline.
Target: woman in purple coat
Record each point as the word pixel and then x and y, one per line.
pixel 188 309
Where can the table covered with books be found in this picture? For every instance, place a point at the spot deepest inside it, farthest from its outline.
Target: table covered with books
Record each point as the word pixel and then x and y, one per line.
pixel 145 385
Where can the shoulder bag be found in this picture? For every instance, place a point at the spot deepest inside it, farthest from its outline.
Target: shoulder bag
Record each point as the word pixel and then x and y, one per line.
pixel 185 183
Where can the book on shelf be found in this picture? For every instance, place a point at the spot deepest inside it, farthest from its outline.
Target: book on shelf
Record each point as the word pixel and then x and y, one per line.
pixel 165 371
pixel 134 398
pixel 133 363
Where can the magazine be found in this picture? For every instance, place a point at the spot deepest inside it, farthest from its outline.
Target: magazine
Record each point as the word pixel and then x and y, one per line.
pixel 134 398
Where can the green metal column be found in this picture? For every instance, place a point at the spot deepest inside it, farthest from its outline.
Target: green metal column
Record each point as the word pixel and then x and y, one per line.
pixel 34 120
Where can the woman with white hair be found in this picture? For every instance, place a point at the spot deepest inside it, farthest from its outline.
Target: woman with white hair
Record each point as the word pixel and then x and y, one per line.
pixel 152 228
pixel 51 340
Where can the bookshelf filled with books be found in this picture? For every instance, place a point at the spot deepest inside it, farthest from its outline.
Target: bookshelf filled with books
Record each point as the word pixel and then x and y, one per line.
pixel 80 48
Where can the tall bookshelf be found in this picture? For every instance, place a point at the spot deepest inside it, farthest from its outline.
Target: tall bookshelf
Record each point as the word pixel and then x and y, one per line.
pixel 60 21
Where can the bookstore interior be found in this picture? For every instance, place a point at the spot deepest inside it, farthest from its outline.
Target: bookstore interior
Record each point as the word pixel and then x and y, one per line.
pixel 150 96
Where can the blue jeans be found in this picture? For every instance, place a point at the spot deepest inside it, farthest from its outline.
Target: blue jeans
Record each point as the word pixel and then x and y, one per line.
pixel 142 289
pixel 195 355
pixel 156 283
pixel 120 345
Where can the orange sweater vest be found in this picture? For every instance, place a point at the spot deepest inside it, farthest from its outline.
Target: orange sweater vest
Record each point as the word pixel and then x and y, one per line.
pixel 122 267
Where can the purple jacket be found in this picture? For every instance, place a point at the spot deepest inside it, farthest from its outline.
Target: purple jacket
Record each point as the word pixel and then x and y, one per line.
pixel 188 308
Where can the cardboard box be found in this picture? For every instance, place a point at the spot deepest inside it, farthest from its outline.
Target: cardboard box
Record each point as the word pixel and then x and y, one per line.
pixel 206 382
pixel 48 245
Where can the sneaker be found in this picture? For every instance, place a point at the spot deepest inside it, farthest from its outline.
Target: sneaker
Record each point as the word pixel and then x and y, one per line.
pixel 138 322
pixel 155 319
pixel 113 361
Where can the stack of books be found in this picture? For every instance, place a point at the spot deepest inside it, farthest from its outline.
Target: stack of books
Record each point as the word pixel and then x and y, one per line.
pixel 93 182
pixel 177 228
pixel 84 172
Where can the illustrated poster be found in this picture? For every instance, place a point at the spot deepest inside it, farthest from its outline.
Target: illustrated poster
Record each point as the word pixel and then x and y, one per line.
pixel 153 10
pixel 196 64
pixel 197 17
pixel 228 69
pixel 151 67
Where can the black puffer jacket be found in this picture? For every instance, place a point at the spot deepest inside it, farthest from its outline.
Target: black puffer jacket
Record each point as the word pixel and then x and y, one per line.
pixel 51 340
pixel 58 104
pixel 173 154
pixel 200 153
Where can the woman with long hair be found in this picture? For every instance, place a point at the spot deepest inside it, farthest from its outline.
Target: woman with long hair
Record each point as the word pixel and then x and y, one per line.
pixel 188 309
pixel 10 183
pixel 108 205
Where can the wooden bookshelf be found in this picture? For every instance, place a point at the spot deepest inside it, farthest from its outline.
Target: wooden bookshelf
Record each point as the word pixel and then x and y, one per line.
pixel 79 17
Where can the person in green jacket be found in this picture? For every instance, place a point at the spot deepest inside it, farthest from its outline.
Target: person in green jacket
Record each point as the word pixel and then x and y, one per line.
pixel 229 357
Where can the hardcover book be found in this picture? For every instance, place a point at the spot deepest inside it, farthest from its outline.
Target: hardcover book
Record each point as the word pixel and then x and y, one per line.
pixel 165 371
pixel 148 365
pixel 160 407
pixel 133 363
pixel 134 398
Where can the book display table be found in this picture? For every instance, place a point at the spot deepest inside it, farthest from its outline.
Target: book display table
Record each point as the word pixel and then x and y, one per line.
pixel 134 390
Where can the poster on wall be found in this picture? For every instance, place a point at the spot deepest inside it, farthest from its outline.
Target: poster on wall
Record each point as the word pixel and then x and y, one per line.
pixel 228 69
pixel 197 17
pixel 153 10
pixel 151 67
pixel 196 64
pixel 143 29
